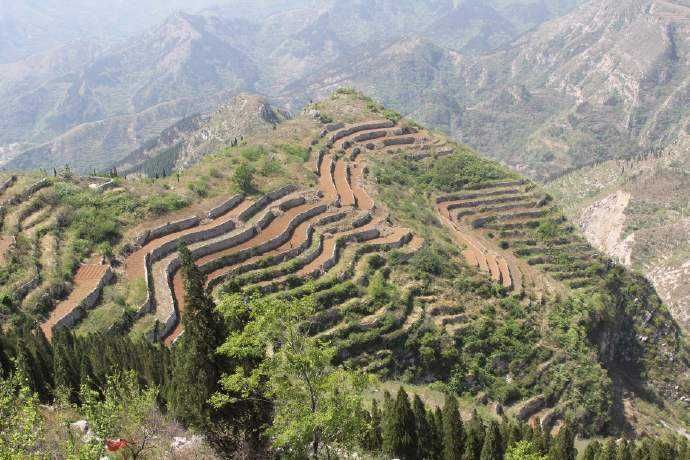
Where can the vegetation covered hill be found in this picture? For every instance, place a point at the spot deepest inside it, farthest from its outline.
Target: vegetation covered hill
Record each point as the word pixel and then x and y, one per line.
pixel 637 211
pixel 347 227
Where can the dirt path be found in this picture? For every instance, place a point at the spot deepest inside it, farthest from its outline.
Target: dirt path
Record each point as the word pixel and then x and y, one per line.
pixel 6 243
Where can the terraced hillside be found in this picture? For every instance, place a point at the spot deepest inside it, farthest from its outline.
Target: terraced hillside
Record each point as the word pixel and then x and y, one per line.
pixel 426 262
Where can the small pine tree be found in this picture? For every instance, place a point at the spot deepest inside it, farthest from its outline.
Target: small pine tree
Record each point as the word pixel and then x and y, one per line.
pixel 453 432
pixel 539 438
pixel 424 431
pixel 401 439
pixel 563 446
pixel 374 437
pixel 435 421
pixel 624 451
pixel 492 448
pixel 592 450
pixel 475 438
pixel 607 451
pixel 195 373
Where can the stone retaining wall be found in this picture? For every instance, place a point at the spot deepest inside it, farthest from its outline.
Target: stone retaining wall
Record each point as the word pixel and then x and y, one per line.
pixel 8 183
pixel 509 183
pixel 369 136
pixel 291 203
pixel 362 220
pixel 226 206
pixel 469 196
pixel 166 229
pixel 24 288
pixel 259 264
pixel 265 200
pixel 26 194
pixel 398 141
pixel 86 303
pixel 364 127
pixel 272 244
pixel 319 160
pixel 530 407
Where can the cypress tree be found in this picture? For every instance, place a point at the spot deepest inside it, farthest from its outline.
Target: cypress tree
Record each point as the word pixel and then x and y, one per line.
pixel 424 431
pixel 624 451
pixel 437 417
pixel 592 450
pixel 375 442
pixel 195 373
pixel 644 450
pixel 491 450
pixel 563 446
pixel 387 418
pixel 400 440
pixel 453 432
pixel 682 448
pixel 475 438
pixel 607 451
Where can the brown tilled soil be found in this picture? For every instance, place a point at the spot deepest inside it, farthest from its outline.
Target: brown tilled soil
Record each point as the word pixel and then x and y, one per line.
pixel 364 201
pixel 87 278
pixel 134 264
pixel 347 198
pixel 326 183
pixel 5 244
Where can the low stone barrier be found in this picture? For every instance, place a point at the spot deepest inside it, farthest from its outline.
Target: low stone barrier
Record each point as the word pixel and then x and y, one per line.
pixel 369 136
pixel 26 194
pixel 166 229
pixel 469 196
pixel 24 288
pixel 226 206
pixel 319 160
pixel 364 127
pixel 259 264
pixel 8 183
pixel 265 200
pixel 508 183
pixel 88 302
pixel 362 220
pixel 398 141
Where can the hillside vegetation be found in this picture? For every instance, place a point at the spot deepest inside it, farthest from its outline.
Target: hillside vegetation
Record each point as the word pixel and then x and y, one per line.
pixel 346 240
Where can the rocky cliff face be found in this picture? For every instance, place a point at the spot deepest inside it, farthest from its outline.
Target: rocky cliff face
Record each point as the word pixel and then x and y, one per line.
pixel 637 212
pixel 184 143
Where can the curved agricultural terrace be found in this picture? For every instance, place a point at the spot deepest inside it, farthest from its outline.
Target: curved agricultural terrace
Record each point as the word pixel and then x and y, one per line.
pixel 277 242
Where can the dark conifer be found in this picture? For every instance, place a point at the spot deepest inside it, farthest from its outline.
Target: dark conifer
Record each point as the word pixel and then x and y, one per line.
pixel 475 438
pixel 492 448
pixel 624 451
pixel 195 373
pixel 453 432
pixel 374 440
pixel 563 445
pixel 401 439
pixel 424 430
pixel 592 450
pixel 607 451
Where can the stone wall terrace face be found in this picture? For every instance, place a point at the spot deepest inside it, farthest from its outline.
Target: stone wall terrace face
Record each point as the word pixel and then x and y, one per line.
pixel 88 302
pixel 226 206
pixel 265 200
pixel 469 196
pixel 398 141
pixel 166 229
pixel 363 127
pixel 8 183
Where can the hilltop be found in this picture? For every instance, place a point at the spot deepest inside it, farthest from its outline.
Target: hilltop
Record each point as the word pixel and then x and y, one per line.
pixel 427 262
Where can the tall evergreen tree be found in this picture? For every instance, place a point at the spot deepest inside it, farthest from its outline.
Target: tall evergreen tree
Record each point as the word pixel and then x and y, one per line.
pixel 424 430
pixel 474 438
pixel 607 451
pixel 453 432
pixel 624 451
pixel 563 446
pixel 492 448
pixel 196 371
pixel 401 439
pixel 644 449
pixel 539 438
pixel 374 438
pixel 435 420
pixel 592 450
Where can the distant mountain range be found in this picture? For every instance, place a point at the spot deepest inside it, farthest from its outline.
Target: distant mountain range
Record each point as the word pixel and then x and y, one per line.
pixel 90 105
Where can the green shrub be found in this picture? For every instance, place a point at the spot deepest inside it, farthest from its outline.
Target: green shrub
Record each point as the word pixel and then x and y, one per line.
pixel 243 178
pixel 296 151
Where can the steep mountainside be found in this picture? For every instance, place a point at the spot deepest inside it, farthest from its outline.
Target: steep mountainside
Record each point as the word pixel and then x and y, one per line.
pixel 607 80
pixel 102 103
pixel 188 140
pixel 637 212
pixel 426 262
